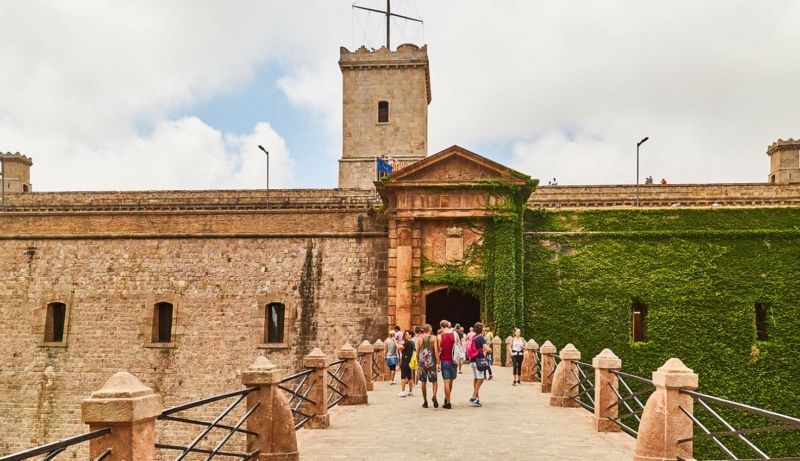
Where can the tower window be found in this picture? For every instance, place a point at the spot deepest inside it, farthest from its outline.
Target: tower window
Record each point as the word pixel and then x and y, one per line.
pixel 276 317
pixel 383 112
pixel 761 322
pixel 638 316
pixel 54 324
pixel 162 323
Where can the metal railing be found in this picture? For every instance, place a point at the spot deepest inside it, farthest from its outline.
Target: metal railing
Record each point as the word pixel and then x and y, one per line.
pixel 584 373
pixel 298 396
pixel 376 368
pixel 192 447
pixel 51 450
pixel 536 369
pixel 741 443
pixel 335 383
pixel 552 370
pixel 628 399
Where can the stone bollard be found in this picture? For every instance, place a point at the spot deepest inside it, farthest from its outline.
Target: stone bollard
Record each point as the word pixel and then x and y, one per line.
pixel 354 385
pixel 548 366
pixel 529 363
pixel 380 359
pixel 497 352
pixel 272 420
pixel 508 351
pixel 604 396
pixel 663 423
pixel 130 408
pixel 318 380
pixel 565 381
pixel 367 350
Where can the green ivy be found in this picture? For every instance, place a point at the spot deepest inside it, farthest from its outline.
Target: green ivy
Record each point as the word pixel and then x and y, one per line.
pixel 700 273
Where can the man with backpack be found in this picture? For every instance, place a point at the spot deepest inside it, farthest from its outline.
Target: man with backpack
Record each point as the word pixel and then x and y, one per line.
pixel 428 358
pixel 477 353
pixel 451 353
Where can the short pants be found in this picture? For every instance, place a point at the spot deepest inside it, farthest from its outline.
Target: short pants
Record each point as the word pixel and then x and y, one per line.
pixel 449 370
pixel 427 376
pixel 477 374
pixel 405 372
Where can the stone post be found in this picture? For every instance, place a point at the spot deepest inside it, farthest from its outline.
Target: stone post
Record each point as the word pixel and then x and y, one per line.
pixel 131 409
pixel 565 381
pixel 366 349
pixel 508 351
pixel 497 352
pixel 548 366
pixel 380 359
pixel 403 292
pixel 529 362
pixel 272 420
pixel 663 423
pixel 355 385
pixel 317 360
pixel 604 396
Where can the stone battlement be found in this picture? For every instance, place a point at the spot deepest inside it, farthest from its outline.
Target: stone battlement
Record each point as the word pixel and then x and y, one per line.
pixel 657 195
pixel 8 156
pixel 407 55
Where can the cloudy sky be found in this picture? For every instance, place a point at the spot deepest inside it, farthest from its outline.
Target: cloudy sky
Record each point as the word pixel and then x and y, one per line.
pixel 107 95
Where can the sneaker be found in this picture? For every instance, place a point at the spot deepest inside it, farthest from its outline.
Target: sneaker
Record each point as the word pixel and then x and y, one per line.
pixel 476 402
pixel 435 402
pixel 392 383
pixel 515 383
pixel 447 406
pixel 472 400
pixel 425 405
pixel 410 394
pixel 490 377
pixel 402 394
pixel 460 372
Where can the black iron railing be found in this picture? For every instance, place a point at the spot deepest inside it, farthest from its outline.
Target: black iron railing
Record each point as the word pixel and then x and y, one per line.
pixel 584 373
pixel 335 384
pixel 632 396
pixel 552 369
pixel 51 450
pixel 536 369
pixel 298 387
pixel 376 368
pixel 736 443
pixel 192 447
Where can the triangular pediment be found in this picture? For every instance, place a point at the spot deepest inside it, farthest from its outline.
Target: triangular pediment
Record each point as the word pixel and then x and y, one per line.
pixel 454 165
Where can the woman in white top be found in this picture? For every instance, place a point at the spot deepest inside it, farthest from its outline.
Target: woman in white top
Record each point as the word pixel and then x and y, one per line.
pixel 392 356
pixel 517 353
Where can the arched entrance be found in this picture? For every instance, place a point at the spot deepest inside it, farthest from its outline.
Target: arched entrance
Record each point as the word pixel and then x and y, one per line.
pixel 453 305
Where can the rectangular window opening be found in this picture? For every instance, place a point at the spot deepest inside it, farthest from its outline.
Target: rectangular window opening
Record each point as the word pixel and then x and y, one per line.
pixel 162 323
pixel 54 324
pixel 638 316
pixel 761 322
pixel 383 112
pixel 276 313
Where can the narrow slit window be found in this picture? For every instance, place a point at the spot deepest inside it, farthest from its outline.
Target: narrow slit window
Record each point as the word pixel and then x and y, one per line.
pixel 276 317
pixel 383 112
pixel 761 322
pixel 162 323
pixel 54 325
pixel 638 316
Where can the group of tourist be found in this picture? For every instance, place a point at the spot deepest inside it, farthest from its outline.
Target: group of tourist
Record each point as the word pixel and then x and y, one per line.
pixel 649 180
pixel 422 355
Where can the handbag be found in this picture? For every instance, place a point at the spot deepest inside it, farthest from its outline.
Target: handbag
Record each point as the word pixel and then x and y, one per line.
pixel 481 363
pixel 391 361
pixel 459 354
pixel 414 364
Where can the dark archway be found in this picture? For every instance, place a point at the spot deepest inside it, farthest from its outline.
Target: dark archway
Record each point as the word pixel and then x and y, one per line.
pixel 453 305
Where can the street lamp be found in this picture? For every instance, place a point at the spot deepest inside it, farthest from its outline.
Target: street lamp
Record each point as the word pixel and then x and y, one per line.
pixel 265 151
pixel 3 174
pixel 637 167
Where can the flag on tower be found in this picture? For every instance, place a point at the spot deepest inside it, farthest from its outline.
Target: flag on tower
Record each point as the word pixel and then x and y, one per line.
pixel 383 167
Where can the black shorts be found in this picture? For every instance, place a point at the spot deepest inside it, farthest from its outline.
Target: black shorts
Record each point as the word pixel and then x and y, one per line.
pixel 405 372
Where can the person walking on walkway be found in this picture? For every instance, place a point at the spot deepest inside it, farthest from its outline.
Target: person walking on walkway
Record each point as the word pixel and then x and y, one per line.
pixel 517 354
pixel 391 356
pixel 428 358
pixel 417 337
pixel 407 348
pixel 447 339
pixel 477 373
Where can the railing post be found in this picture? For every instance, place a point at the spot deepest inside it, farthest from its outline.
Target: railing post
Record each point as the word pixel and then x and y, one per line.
pixel 497 352
pixel 565 383
pixel 355 386
pixel 272 420
pixel 548 366
pixel 366 349
pixel 380 359
pixel 318 361
pixel 508 351
pixel 605 385
pixel 529 362
pixel 663 423
pixel 131 409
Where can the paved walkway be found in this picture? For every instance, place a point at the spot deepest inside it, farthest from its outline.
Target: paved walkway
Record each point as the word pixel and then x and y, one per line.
pixel 515 423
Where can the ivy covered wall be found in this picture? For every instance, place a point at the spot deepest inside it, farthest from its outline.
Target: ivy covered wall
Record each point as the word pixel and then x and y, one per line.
pixel 698 272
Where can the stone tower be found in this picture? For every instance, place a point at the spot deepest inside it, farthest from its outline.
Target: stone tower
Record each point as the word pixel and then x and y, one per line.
pixel 17 172
pixel 784 165
pixel 385 110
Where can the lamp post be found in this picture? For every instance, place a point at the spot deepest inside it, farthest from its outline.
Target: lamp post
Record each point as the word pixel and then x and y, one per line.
pixel 637 167
pixel 3 178
pixel 265 151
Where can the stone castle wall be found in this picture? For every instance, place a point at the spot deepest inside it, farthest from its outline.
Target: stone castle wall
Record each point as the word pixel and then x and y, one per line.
pixel 218 268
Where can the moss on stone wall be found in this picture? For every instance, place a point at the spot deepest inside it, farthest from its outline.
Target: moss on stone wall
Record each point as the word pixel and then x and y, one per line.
pixel 699 273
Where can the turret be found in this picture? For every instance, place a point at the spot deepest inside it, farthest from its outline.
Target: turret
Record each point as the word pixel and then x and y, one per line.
pixel 784 162
pixel 16 172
